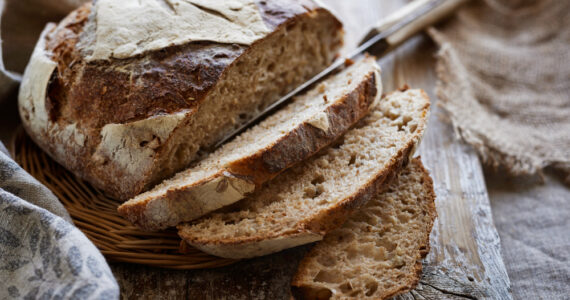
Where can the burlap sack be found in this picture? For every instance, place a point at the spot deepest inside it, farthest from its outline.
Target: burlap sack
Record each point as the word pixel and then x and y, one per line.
pixel 504 78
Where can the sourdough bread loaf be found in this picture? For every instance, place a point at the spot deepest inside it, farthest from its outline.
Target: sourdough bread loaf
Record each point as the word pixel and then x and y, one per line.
pixel 308 200
pixel 127 93
pixel 309 123
pixel 377 253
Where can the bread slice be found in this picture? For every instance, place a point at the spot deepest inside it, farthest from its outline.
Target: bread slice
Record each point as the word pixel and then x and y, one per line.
pixel 377 253
pixel 294 133
pixel 308 200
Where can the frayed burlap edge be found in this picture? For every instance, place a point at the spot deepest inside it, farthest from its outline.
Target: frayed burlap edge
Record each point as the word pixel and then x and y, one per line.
pixel 451 72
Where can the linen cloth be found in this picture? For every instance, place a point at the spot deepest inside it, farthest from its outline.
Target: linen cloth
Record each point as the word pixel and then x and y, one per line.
pixel 533 223
pixel 504 71
pixel 42 255
pixel 504 78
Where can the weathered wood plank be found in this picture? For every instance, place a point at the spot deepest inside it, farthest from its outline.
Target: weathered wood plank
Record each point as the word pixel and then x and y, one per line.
pixel 464 261
pixel 465 258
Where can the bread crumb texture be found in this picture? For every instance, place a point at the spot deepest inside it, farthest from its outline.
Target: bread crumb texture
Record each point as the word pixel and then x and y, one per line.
pixel 377 252
pixel 260 153
pixel 308 198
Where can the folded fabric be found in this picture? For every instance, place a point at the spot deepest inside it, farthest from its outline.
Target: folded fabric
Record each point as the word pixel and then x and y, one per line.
pixel 503 77
pixel 42 255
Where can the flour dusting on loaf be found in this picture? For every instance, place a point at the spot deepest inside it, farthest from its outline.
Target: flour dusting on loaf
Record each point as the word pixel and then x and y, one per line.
pixel 33 87
pixel 130 27
pixel 126 93
pixel 131 144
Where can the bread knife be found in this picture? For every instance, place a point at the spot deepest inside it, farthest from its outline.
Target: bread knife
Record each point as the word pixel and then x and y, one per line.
pixel 385 36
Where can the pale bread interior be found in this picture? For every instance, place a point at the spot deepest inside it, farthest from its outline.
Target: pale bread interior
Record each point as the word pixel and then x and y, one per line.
pixel 375 255
pixel 307 108
pixel 279 63
pixel 310 190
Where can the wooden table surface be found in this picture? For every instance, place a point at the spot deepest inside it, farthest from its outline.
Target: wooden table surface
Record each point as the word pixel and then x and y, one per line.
pixel 465 259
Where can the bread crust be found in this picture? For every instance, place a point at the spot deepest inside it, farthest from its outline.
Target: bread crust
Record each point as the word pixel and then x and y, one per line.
pixel 302 291
pixel 326 220
pixel 253 170
pixel 171 84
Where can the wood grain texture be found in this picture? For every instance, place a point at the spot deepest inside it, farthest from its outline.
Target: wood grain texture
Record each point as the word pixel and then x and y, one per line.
pixel 465 259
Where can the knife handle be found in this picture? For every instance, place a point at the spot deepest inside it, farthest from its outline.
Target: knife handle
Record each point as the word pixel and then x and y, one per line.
pixel 425 14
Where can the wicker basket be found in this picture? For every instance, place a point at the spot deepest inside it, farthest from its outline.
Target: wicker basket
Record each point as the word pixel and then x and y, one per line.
pixel 96 216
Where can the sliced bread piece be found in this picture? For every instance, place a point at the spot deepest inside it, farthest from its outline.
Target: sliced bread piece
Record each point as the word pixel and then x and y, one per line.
pixel 307 201
pixel 294 133
pixel 377 253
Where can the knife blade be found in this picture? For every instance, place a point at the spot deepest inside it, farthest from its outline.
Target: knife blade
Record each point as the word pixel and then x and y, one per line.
pixel 385 36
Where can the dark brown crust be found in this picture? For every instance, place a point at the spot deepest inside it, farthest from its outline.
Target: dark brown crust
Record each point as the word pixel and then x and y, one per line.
pixel 174 79
pixel 304 292
pixel 334 217
pixel 297 145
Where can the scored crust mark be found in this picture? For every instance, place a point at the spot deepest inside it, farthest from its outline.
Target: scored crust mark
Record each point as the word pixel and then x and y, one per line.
pixel 282 140
pixel 203 80
pixel 354 172
pixel 389 235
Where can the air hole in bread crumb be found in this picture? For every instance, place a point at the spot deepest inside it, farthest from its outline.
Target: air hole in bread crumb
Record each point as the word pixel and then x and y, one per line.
pixel 352 160
pixel 371 288
pixel 326 276
pixel 220 55
pixel 271 67
pixel 413 128
pixel 318 191
pixel 318 179
pixel 310 192
pixel 345 287
pixel 323 294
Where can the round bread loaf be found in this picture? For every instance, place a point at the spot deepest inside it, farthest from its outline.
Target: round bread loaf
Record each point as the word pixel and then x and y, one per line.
pixel 126 93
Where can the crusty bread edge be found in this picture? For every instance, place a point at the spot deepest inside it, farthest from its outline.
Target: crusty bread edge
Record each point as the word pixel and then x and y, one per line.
pixel 302 292
pixel 326 221
pixel 198 199
pixel 65 143
pixel 166 211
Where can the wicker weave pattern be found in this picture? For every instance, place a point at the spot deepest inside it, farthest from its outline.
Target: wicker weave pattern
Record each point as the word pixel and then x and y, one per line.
pixel 96 216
